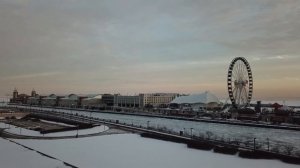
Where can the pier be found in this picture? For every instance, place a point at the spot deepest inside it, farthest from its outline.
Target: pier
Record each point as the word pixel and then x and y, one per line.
pixel 218 121
pixel 192 141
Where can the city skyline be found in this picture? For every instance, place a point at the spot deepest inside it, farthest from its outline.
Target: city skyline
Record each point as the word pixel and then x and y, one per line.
pixel 142 47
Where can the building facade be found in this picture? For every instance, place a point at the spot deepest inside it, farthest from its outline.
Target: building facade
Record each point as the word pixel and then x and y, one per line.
pixel 127 101
pixel 144 100
pixel 92 102
pixel 51 100
pixel 71 100
pixel 197 102
pixel 157 99
pixel 19 98
pixel 35 100
pixel 108 99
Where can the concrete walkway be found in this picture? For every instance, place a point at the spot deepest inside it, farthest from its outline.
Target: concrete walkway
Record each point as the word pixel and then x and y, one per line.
pixel 5 134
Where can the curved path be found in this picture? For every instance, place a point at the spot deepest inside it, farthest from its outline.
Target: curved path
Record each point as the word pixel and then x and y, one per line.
pixel 110 131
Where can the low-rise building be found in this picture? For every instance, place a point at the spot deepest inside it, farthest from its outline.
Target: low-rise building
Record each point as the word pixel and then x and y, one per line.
pixel 93 101
pixel 51 100
pixel 278 114
pixel 35 100
pixel 71 100
pixel 127 101
pixel 197 102
pixel 19 98
pixel 144 100
pixel 108 99
pixel 157 99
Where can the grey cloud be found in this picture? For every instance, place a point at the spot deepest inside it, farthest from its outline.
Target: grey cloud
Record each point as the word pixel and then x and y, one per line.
pixel 101 43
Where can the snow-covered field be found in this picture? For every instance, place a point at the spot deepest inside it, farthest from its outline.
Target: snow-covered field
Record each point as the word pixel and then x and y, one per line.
pixel 131 150
pixel 15 156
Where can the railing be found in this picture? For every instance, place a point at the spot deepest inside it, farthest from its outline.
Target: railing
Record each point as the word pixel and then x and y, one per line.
pixel 250 144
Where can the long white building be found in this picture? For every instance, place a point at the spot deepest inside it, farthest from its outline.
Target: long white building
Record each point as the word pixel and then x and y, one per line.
pixel 51 100
pixel 157 99
pixel 94 101
pixel 198 102
pixel 127 101
pixel 141 100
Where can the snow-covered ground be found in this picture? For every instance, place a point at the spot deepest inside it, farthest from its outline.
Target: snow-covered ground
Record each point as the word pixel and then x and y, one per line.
pixel 131 150
pixel 58 123
pixel 243 133
pixel 15 156
pixel 22 131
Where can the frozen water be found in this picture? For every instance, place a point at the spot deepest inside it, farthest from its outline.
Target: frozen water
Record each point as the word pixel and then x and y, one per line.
pixel 131 150
pixel 15 156
pixel 244 133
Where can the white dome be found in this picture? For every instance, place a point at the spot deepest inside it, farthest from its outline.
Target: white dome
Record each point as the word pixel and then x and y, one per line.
pixel 203 98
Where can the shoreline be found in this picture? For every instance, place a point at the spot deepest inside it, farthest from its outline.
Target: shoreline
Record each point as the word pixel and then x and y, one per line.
pixel 230 122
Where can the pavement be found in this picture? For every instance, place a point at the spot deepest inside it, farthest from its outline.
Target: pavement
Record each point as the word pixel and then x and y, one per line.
pixel 110 131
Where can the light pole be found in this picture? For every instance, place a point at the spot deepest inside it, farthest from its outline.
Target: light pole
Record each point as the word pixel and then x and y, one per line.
pixel 77 131
pixel 192 132
pixel 268 142
pixel 71 108
pixel 71 111
pixel 148 124
pixel 90 117
pixel 254 143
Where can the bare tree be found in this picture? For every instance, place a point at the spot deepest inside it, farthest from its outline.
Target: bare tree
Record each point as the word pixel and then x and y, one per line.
pixel 201 135
pixel 288 149
pixel 275 148
pixel 209 134
pixel 222 139
pixel 297 153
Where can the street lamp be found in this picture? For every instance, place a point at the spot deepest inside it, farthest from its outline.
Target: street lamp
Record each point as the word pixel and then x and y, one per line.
pixel 148 124
pixel 71 111
pixel 77 131
pixel 90 117
pixel 254 143
pixel 268 142
pixel 192 132
pixel 71 108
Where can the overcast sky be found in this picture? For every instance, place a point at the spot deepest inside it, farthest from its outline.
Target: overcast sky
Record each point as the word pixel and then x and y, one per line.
pixel 133 46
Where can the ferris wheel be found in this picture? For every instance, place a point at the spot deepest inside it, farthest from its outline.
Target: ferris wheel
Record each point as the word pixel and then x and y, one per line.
pixel 240 82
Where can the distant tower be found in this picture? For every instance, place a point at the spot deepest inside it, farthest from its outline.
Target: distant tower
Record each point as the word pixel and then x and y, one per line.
pixel 33 93
pixel 15 94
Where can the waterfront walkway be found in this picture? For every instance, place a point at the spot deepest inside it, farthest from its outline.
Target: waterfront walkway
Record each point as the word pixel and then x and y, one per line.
pixel 5 134
pixel 219 121
pixel 207 143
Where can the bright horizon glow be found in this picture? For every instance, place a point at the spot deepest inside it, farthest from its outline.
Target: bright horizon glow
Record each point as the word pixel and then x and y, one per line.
pixel 141 46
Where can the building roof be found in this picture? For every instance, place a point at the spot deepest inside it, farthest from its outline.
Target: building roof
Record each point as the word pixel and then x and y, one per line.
pixel 204 98
pixel 91 97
